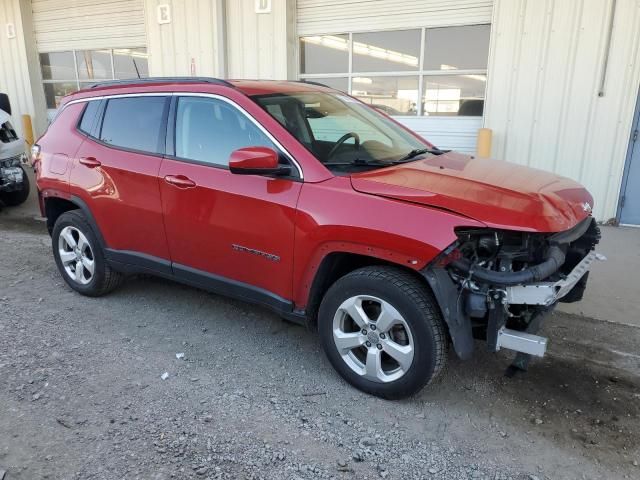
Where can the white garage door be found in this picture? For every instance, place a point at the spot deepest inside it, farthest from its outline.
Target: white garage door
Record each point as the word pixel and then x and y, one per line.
pixel 88 24
pixel 421 61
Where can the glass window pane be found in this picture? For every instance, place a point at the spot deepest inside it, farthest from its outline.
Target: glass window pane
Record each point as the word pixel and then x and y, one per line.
pixel 58 66
pixel 386 51
pixel 457 48
pixel 324 54
pixel 459 95
pixel 341 83
pixel 131 63
pixel 392 95
pixel 133 123
pixel 94 64
pixel 208 130
pixel 88 116
pixel 53 92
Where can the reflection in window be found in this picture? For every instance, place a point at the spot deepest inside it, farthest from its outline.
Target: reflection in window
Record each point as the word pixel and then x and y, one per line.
pixel 54 91
pixel 460 95
pixel 324 54
pixel 94 64
pixel 385 69
pixel 391 95
pixel 130 63
pixel 386 51
pixel 58 66
pixel 339 83
pixel 457 48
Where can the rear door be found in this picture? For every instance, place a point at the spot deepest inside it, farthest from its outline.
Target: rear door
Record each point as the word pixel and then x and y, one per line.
pixel 231 232
pixel 116 174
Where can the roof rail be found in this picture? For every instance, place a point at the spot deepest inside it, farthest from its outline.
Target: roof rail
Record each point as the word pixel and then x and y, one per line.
pixel 152 80
pixel 311 82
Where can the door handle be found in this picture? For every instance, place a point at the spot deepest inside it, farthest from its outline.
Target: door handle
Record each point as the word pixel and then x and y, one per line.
pixel 179 181
pixel 90 162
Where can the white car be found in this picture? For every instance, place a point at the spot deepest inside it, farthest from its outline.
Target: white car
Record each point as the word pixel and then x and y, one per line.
pixel 14 183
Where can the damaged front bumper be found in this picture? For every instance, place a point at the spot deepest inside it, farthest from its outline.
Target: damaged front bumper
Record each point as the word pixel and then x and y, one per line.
pixel 11 173
pixel 500 290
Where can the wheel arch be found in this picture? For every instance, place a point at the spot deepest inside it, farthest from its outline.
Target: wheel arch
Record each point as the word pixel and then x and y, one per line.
pixel 334 265
pixel 54 206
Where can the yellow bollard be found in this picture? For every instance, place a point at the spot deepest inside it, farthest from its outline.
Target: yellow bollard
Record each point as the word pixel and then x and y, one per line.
pixel 483 147
pixel 27 129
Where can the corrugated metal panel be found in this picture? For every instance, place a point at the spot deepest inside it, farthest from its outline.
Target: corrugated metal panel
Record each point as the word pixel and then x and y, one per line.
pixel 17 59
pixel 189 44
pixel 88 24
pixel 335 16
pixel 261 45
pixel 545 65
pixel 449 133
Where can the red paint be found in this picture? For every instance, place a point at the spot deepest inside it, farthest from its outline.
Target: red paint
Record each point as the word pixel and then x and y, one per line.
pixel 253 158
pixel 207 218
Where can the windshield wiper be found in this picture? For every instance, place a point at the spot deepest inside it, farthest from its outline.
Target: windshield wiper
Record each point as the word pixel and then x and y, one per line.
pixel 359 162
pixel 419 151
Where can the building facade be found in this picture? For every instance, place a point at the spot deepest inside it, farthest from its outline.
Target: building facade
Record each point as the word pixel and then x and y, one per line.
pixel 556 81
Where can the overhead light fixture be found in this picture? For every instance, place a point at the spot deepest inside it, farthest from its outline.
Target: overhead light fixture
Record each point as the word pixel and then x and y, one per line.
pixel 364 80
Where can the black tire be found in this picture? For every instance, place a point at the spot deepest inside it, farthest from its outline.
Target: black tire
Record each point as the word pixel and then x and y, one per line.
pixel 415 303
pixel 104 278
pixel 17 197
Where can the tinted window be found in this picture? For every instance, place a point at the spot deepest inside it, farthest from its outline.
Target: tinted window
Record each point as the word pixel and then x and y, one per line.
pixel 134 123
pixel 89 116
pixel 208 130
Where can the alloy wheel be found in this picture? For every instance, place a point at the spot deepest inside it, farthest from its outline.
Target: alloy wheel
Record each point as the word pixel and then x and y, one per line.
pixel 373 338
pixel 76 255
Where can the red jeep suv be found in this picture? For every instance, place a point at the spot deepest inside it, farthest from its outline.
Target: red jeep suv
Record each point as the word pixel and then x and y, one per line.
pixel 307 201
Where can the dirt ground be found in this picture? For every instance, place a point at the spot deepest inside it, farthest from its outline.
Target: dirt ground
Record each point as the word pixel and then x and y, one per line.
pixel 81 394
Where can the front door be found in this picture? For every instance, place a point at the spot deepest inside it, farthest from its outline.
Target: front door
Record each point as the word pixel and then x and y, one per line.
pixel 233 232
pixel 630 199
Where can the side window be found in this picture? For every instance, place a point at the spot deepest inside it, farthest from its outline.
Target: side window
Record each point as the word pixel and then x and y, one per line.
pixel 89 116
pixel 135 123
pixel 208 130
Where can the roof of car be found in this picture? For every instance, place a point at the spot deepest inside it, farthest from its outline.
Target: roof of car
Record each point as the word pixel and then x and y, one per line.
pixel 248 87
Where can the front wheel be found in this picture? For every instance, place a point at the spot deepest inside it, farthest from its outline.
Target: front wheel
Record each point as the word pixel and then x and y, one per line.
pixel 382 331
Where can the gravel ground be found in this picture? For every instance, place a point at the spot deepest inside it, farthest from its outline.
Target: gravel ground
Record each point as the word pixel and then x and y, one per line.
pixel 81 393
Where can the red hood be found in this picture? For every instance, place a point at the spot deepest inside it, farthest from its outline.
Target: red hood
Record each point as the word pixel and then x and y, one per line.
pixel 499 194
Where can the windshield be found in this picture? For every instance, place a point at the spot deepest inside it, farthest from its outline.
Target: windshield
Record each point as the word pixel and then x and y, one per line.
pixel 341 132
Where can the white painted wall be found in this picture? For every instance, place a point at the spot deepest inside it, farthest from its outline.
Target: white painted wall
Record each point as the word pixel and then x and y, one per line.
pixel 20 75
pixel 545 66
pixel 261 45
pixel 192 44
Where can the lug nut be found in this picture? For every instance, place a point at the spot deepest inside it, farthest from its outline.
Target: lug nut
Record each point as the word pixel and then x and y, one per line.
pixel 379 346
pixel 368 344
pixel 372 327
pixel 382 335
pixel 364 331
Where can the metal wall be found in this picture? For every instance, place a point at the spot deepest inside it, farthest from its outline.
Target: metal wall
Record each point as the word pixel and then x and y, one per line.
pixel 261 45
pixel 336 16
pixel 19 68
pixel 191 44
pixel 546 63
pixel 88 24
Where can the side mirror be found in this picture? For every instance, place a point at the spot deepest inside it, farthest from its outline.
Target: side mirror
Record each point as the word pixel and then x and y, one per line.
pixel 256 161
pixel 4 103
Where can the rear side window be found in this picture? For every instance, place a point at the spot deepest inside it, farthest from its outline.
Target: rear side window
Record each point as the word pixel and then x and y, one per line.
pixel 89 117
pixel 134 123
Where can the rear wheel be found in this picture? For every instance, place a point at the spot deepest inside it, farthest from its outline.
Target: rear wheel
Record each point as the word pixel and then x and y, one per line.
pixel 80 258
pixel 382 331
pixel 17 197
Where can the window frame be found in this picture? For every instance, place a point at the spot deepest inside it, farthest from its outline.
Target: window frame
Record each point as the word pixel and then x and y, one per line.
pixel 170 138
pixel 421 73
